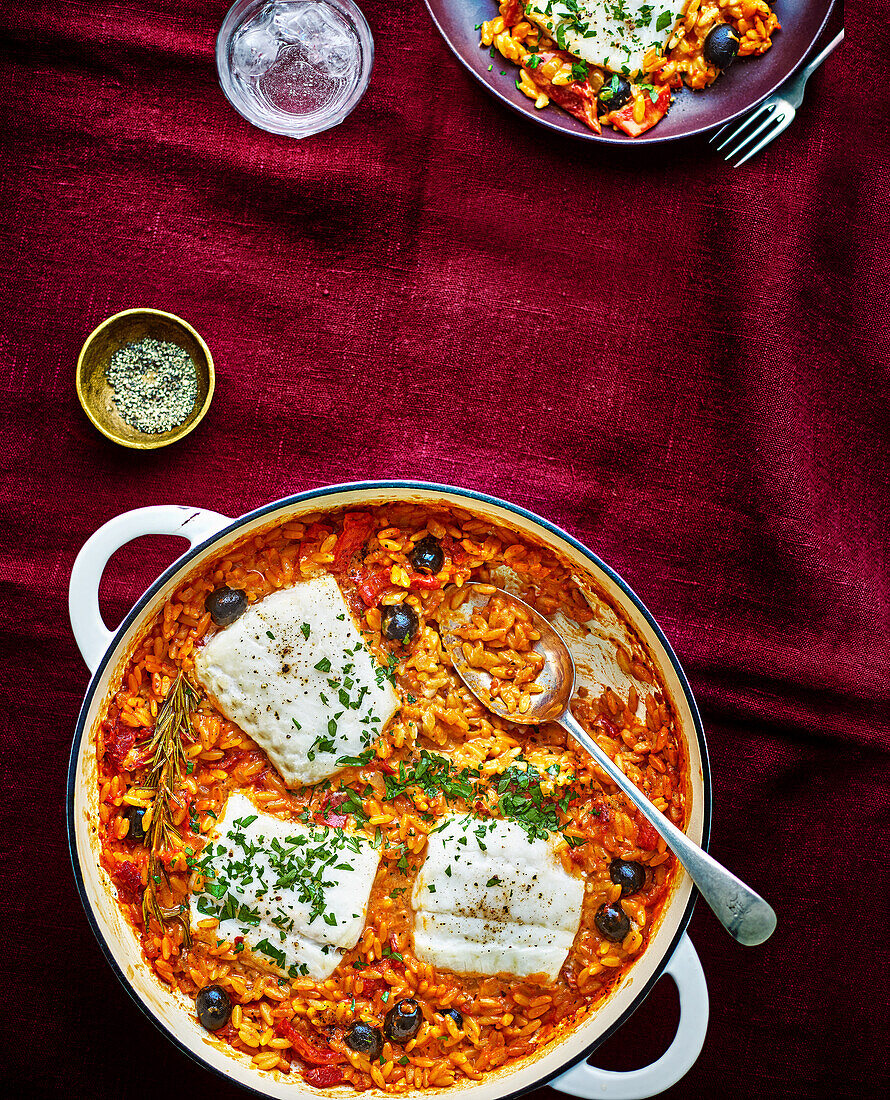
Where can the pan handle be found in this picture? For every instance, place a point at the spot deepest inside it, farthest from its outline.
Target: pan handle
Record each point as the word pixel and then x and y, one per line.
pixel 91 634
pixel 588 1081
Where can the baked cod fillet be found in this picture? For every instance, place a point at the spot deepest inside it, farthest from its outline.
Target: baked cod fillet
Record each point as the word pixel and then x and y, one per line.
pixel 294 673
pixel 488 900
pixel 611 34
pixel 296 898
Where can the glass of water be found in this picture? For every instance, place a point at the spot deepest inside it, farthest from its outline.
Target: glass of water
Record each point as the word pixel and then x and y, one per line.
pixel 294 67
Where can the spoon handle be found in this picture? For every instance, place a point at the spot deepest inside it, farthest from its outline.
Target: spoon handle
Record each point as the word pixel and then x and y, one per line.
pixel 742 912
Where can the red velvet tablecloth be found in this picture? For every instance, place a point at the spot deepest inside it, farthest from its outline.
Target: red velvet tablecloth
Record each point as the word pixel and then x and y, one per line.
pixel 683 364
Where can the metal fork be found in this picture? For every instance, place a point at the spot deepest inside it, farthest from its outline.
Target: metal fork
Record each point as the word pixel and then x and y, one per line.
pixel 774 114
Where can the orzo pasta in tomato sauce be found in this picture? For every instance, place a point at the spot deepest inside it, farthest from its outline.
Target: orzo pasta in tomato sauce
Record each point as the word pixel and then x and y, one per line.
pixel 360 874
pixel 618 63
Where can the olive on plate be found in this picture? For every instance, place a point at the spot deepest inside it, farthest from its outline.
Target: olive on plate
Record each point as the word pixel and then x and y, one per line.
pixel 403 1021
pixel 613 922
pixel 427 555
pixel 628 874
pixel 226 605
pixel 399 622
pixel 614 93
pixel 364 1039
pixel 454 1015
pixel 214 1007
pixel 721 46
pixel 134 815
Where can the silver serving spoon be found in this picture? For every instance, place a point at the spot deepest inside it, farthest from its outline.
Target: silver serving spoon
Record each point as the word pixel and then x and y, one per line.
pixel 742 912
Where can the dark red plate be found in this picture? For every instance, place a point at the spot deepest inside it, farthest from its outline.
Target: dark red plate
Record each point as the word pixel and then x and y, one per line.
pixel 748 82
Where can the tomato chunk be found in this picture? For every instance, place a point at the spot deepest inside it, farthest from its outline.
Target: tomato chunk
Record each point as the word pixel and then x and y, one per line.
pixel 578 98
pixel 328 814
pixel 318 1056
pixel 118 743
pixel 323 1076
pixel 624 119
pixel 128 878
pixel 317 531
pixel 647 837
pixel 512 13
pixel 422 580
pixel 373 984
pixel 357 526
pixel 370 583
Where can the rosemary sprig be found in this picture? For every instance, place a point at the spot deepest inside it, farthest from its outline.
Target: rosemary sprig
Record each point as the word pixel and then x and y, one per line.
pixel 164 777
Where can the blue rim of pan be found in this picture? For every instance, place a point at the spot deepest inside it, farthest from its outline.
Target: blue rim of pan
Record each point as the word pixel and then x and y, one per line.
pixel 320 494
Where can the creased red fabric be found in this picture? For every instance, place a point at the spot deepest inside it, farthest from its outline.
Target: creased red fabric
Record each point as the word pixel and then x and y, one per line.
pixel 683 364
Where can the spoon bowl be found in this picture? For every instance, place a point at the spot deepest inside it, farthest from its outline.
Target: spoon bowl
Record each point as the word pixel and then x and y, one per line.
pixel 557 677
pixel 742 912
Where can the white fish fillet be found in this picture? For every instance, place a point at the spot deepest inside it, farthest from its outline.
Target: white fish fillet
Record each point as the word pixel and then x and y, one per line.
pixel 505 908
pixel 294 674
pixel 614 34
pixel 297 897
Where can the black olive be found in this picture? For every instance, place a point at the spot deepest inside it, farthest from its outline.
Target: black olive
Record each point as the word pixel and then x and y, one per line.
pixel 135 814
pixel 214 1007
pixel 399 622
pixel 627 874
pixel 721 46
pixel 403 1021
pixel 613 922
pixel 614 93
pixel 365 1040
pixel 427 556
pixel 455 1015
pixel 226 605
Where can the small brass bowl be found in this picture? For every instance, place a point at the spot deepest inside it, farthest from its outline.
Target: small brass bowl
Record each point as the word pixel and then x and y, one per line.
pixel 97 396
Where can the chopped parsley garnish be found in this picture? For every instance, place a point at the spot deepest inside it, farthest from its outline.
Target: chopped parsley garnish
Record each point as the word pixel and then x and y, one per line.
pixel 388 673
pixel 580 71
pixel 431 773
pixel 359 761
pixel 273 952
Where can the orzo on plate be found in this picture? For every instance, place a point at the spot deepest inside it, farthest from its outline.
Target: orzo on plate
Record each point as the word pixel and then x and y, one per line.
pixel 619 62
pixel 381 926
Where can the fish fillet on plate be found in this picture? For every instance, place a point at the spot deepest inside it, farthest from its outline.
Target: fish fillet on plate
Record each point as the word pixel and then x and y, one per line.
pixel 488 900
pixel 613 34
pixel 294 673
pixel 296 897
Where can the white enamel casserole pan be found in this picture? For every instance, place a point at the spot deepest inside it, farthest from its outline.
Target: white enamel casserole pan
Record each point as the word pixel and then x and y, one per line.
pixel 563 1066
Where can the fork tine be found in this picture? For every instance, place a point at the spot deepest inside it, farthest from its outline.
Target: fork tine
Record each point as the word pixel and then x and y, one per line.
pixel 783 123
pixel 765 109
pixel 767 122
pixel 722 130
